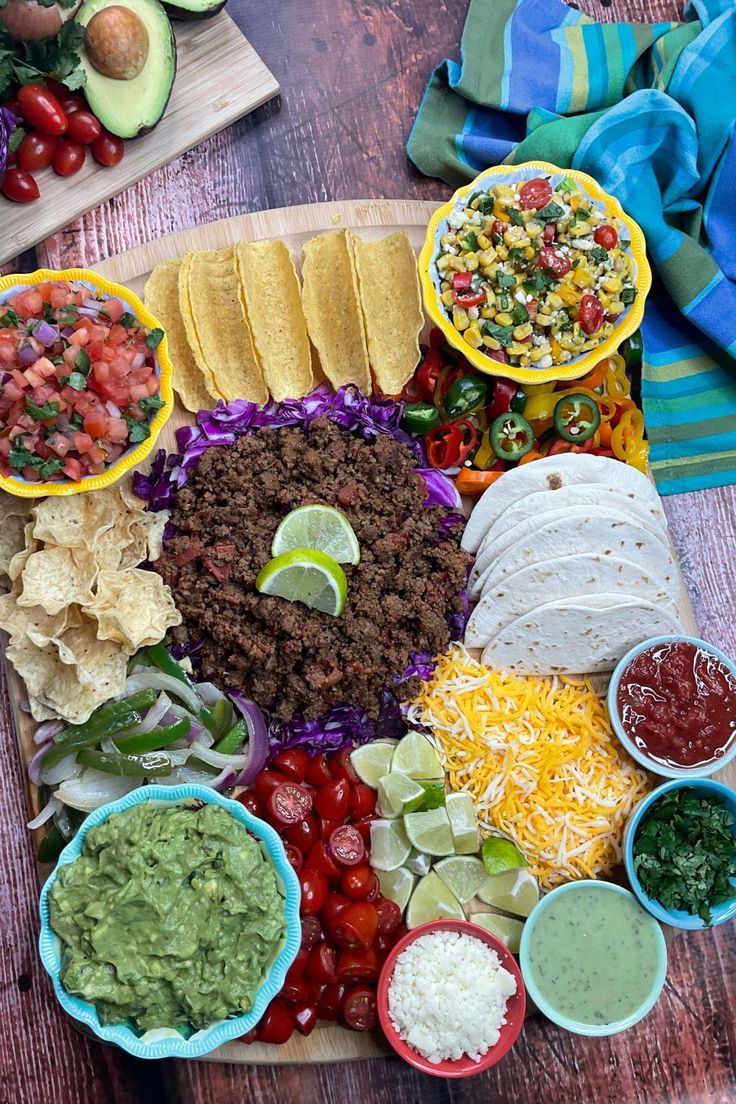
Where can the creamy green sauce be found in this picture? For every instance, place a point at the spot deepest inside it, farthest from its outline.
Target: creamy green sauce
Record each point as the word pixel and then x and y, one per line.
pixel 170 917
pixel 593 955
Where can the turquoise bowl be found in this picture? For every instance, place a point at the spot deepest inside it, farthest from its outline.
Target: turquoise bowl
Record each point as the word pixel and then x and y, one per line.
pixel 676 918
pixel 167 1042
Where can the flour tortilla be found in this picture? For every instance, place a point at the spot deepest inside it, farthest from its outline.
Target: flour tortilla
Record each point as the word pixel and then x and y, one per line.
pixel 578 635
pixel 506 597
pixel 551 473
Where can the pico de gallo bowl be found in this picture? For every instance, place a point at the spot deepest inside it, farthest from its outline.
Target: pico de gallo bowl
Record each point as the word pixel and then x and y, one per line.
pixel 85 382
pixel 534 273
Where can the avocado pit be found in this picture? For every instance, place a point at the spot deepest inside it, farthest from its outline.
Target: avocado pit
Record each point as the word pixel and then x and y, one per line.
pixel 116 41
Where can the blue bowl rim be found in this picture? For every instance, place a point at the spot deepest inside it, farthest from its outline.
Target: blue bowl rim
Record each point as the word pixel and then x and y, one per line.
pixel 201 1042
pixel 677 773
pixel 676 918
pixel 575 1026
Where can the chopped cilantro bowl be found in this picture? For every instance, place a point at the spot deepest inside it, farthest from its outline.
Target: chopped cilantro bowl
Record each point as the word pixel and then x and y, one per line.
pixel 79 381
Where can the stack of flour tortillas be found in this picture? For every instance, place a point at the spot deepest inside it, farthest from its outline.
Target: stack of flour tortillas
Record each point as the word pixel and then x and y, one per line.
pixel 573 566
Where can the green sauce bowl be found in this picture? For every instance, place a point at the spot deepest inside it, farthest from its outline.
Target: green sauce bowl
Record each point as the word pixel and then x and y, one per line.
pixel 167 1042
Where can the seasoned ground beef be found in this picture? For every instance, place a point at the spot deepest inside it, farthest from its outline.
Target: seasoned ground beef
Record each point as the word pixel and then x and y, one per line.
pixel 289 658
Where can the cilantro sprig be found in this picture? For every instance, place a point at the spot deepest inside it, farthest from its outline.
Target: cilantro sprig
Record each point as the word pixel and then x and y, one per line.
pixel 56 56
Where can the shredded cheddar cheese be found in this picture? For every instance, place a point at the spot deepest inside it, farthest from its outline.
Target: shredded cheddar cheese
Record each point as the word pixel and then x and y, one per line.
pixel 540 760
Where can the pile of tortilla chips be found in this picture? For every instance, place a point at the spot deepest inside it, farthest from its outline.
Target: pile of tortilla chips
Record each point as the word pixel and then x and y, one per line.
pixel 240 325
pixel 78 604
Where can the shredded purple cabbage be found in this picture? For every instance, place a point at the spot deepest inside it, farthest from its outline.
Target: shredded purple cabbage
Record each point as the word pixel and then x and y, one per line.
pixel 8 122
pixel 441 491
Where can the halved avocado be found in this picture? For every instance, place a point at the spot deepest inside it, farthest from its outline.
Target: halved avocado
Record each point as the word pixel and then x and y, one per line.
pixel 131 108
pixel 193 9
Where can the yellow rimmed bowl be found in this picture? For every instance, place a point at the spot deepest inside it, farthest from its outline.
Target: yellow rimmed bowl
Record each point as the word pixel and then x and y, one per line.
pixel 627 322
pixel 14 284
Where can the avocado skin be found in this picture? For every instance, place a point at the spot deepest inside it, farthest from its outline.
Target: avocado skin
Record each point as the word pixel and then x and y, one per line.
pixel 209 9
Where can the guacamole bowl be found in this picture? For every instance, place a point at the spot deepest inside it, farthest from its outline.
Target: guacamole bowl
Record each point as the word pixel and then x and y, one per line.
pixel 167 1041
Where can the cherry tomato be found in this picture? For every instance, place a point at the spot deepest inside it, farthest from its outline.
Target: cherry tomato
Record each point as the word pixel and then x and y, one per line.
pixel 36 151
pixel 19 186
pixel 389 915
pixel 498 228
pixel 357 965
pixel 333 800
pixel 590 314
pixel 250 1036
pixel 107 149
pixel 56 87
pixel 364 801
pixel 548 234
pixel 41 109
pixel 356 926
pixel 357 882
pixel 83 127
pixel 319 858
pixel 341 765
pixel 554 262
pixel 535 194
pixel 289 804
pixel 327 827
pixel 294 856
pixel 314 891
pixel 360 1009
pixel 266 782
pixel 253 803
pixel 293 763
pixel 277 1025
pixel 364 827
pixel 71 102
pixel 606 237
pixel 346 845
pixel 333 906
pixel 318 771
pixel 311 932
pixel 330 1001
pixel 294 990
pixel 305 1016
pixel 321 966
pixel 11 158
pixel 68 157
pixel 375 892
pixel 304 834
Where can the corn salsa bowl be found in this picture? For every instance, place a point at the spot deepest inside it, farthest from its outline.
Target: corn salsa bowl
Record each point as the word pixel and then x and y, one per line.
pixel 534 273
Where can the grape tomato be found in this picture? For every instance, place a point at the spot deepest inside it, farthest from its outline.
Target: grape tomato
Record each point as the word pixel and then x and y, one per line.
pixel 266 782
pixel 333 800
pixel 358 882
pixel 294 856
pixel 83 127
pixel 320 858
pixel 36 151
pixel 304 834
pixel 364 801
pixel 322 964
pixel 389 915
pixel 293 763
pixel 108 150
pixel 356 926
pixel 289 803
pixel 314 891
pixel 19 186
pixel 341 765
pixel 346 845
pixel 357 965
pixel 329 1004
pixel 360 1009
pixel 311 932
pixel 535 194
pixel 252 802
pixel 318 771
pixel 41 109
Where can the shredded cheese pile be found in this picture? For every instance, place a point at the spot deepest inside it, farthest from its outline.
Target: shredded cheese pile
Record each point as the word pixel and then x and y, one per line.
pixel 540 760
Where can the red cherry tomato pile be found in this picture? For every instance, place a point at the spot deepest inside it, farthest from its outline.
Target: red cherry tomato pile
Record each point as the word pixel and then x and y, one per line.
pixel 323 813
pixel 59 128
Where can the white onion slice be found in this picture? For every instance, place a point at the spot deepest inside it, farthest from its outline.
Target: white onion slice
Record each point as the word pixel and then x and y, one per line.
pixel 157 680
pixel 46 813
pixel 209 693
pixel 66 768
pixel 94 788
pixel 216 758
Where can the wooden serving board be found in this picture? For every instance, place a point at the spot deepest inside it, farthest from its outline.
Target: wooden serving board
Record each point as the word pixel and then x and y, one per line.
pixel 294 226
pixel 219 78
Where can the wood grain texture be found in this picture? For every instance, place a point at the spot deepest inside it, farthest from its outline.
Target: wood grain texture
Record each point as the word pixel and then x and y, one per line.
pixel 352 74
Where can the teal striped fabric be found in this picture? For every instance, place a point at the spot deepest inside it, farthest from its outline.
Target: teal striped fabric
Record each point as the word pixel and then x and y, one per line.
pixel 649 110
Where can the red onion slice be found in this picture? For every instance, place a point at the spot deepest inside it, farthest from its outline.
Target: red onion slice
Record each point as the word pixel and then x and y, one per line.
pixel 257 751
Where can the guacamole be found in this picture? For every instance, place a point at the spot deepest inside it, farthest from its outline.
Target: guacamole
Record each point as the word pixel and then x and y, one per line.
pixel 170 917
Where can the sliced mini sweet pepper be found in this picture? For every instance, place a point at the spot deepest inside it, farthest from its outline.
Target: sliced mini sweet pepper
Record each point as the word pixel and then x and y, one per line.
pixel 472 482
pixel 627 440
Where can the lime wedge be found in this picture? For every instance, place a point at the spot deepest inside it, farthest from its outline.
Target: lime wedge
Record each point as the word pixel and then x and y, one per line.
pixel 503 927
pixel 320 527
pixel 432 900
pixel 514 891
pixel 418 862
pixel 432 797
pixel 463 875
pixel 430 832
pixel 305 576
pixel 395 792
pixel 397 885
pixel 389 846
pixel 372 761
pixel 499 853
pixel 463 822
pixel 415 756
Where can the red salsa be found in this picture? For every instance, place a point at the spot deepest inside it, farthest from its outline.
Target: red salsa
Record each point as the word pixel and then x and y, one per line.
pixel 77 382
pixel 677 703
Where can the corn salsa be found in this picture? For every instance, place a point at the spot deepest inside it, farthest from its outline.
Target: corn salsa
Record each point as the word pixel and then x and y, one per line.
pixel 533 274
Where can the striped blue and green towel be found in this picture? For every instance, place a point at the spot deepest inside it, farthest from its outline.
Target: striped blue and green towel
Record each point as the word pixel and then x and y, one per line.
pixel 649 110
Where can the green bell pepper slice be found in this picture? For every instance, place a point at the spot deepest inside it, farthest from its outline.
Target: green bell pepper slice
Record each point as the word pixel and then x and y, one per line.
pixel 139 743
pixel 129 766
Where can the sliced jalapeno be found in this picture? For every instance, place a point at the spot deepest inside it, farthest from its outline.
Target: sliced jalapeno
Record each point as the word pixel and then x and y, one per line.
pixel 576 417
pixel 511 436
pixel 467 394
pixel 420 418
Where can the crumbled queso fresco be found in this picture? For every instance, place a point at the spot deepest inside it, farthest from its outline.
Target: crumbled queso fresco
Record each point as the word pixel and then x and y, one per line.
pixel 448 996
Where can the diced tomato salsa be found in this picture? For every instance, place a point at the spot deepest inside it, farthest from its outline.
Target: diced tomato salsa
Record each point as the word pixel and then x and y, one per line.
pixel 77 382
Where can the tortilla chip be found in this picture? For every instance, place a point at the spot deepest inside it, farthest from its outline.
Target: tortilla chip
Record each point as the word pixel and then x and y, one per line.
pixel 95 660
pixel 33 621
pixel 12 539
pixel 332 309
pixel 36 666
pixel 161 294
pixel 133 608
pixel 20 559
pixel 55 578
pixel 67 521
pixel 391 303
pixel 271 299
pixel 217 332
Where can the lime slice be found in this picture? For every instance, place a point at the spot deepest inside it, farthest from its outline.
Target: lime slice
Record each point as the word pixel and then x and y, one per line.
pixel 320 527
pixel 395 791
pixel 463 823
pixel 415 756
pixel 305 576
pixel 432 900
pixel 432 797
pixel 514 891
pixel 430 832
pixel 503 927
pixel 389 846
pixel 463 874
pixel 397 885
pixel 499 853
pixel 372 761
pixel 418 862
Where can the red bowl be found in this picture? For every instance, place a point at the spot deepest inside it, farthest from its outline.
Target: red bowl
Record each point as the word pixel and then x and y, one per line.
pixel 515 1007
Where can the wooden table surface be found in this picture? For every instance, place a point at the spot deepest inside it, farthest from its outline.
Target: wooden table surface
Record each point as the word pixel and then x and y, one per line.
pixel 352 74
